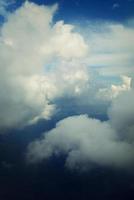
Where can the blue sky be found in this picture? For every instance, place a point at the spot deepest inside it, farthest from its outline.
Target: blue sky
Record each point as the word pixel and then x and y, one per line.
pixel 69 10
pixel 96 9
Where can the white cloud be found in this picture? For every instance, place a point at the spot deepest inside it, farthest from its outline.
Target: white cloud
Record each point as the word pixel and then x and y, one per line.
pixel 42 61
pixel 111 48
pixel 61 45
pixel 85 141
pixel 29 43
pixel 121 115
pixel 115 90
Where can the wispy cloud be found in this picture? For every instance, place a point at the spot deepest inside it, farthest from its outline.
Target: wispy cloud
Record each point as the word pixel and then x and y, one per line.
pixel 116 5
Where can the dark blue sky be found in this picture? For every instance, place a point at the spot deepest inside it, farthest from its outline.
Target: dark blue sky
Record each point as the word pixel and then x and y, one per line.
pixel 115 10
pixel 70 10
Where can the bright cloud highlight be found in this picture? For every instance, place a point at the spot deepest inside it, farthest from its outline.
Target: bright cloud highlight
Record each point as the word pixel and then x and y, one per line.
pixel 29 43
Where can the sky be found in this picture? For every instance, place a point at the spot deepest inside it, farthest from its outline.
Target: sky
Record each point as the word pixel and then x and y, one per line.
pixel 66 99
pixel 87 9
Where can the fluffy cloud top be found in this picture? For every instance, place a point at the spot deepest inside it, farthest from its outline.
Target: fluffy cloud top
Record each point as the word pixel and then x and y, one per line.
pixel 85 141
pixel 29 43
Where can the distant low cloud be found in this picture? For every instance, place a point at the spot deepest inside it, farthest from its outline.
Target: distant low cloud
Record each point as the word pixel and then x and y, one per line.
pixel 115 90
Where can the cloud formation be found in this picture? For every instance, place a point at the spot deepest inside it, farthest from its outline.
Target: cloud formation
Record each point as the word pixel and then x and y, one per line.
pixel 111 47
pixel 86 141
pixel 42 61
pixel 33 54
pixel 115 90
pixel 121 115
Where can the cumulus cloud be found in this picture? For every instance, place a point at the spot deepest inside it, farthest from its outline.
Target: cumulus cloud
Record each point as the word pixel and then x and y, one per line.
pixel 115 90
pixel 86 141
pixel 40 61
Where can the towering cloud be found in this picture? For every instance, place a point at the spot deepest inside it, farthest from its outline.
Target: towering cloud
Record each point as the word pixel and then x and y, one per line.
pixel 34 51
